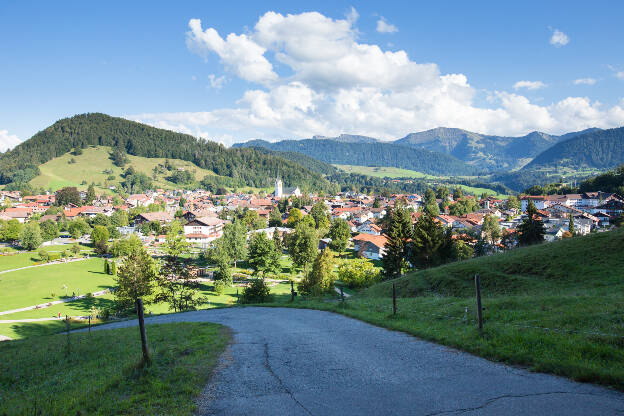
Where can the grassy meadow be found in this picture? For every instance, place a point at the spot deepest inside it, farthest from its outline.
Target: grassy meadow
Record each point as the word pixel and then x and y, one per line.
pixel 90 167
pixel 99 373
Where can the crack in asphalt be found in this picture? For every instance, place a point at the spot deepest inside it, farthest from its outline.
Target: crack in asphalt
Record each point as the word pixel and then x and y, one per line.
pixel 504 396
pixel 267 365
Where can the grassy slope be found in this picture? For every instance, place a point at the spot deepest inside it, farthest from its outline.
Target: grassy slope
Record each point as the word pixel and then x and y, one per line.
pixel 554 308
pixel 101 375
pixel 90 167
pixel 392 172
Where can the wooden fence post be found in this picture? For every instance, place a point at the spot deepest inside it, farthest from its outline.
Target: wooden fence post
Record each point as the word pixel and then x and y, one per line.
pixel 342 294
pixel 89 323
pixel 393 299
pixel 479 308
pixel 146 357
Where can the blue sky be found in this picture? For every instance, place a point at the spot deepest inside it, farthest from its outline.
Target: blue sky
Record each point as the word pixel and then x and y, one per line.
pixel 314 68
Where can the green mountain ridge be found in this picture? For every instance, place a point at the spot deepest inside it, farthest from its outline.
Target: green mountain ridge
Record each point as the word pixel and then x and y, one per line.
pixel 239 167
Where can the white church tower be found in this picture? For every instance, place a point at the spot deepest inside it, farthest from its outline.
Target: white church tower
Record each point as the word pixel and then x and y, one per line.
pixel 278 188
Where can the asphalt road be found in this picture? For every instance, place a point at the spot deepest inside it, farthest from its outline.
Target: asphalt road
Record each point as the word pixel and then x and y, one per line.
pixel 304 362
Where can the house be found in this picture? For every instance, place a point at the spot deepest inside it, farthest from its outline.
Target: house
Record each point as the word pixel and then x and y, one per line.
pixel 139 200
pixel 161 217
pixel 282 192
pixel 369 228
pixel 201 231
pixel 270 231
pixel 19 214
pixel 370 246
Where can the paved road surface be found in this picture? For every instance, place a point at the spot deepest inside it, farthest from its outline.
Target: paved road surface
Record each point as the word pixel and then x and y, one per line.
pixel 305 362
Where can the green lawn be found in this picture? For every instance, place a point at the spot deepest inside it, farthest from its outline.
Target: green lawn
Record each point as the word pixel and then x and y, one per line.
pixel 36 285
pixel 14 261
pixel 556 308
pixel 101 374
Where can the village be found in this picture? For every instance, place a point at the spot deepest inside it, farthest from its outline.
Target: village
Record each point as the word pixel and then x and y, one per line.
pixel 203 215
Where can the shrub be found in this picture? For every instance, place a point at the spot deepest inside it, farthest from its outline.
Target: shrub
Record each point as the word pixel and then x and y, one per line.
pixel 257 292
pixel 219 287
pixel 44 255
pixel 358 273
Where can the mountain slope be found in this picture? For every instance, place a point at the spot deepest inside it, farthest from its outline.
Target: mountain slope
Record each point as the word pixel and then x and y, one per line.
pixel 370 154
pixel 244 167
pixel 494 152
pixel 601 149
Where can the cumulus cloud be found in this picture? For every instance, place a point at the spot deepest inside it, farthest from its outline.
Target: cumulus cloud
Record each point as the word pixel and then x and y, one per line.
pixel 529 85
pixel 8 141
pixel 619 74
pixel 559 38
pixel 585 81
pixel 310 75
pixel 384 27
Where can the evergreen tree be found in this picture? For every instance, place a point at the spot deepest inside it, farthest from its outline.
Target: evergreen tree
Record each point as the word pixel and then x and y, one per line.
pixel 431 243
pixel 321 278
pixel 90 197
pixel 319 213
pixel 531 231
pixel 396 248
pixel 571 227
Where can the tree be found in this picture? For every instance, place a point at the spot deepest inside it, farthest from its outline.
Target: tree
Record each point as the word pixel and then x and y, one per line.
pixel 321 278
pixel 257 292
pixel 90 197
pixel 119 157
pixel 431 243
pixel 78 228
pixel 223 273
pixel 339 232
pixel 68 195
pixel 177 286
pixel 319 213
pixel 263 256
pixel 461 250
pixel 275 218
pixel 303 245
pixel 125 246
pixel 531 231
pixel 235 240
pixel 99 234
pixel 491 229
pixel 442 192
pixel 571 228
pixel 75 249
pixel 30 237
pixel 11 230
pixel 49 230
pixel 136 278
pixel 294 216
pixel 396 249
pixel 457 194
pixel 513 203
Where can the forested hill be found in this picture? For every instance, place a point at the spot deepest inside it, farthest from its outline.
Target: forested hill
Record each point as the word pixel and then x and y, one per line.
pixel 307 162
pixel 601 149
pixel 493 152
pixel 246 167
pixel 370 154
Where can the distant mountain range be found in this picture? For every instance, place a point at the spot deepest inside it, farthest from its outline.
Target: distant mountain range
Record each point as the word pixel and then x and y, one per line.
pixel 348 150
pixel 480 153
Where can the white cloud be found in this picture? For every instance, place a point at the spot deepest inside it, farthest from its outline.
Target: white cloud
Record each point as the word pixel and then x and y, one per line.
pixel 559 38
pixel 384 27
pixel 8 141
pixel 217 82
pixel 529 85
pixel 619 74
pixel 331 83
pixel 585 81
pixel 238 52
